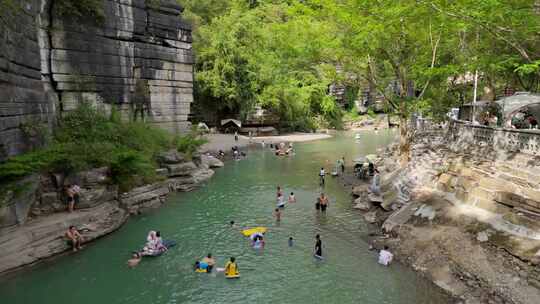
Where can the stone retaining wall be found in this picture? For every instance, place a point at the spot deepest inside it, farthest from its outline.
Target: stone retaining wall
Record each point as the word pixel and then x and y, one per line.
pixel 500 140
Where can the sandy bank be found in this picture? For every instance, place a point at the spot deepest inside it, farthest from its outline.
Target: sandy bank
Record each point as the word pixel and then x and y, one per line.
pixel 225 142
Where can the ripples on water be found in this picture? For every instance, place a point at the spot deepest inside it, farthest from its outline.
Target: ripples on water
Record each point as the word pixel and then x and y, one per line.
pixel 244 192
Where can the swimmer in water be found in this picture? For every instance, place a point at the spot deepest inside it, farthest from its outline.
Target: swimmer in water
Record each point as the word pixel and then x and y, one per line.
pixel 292 198
pixel 135 260
pixel 291 241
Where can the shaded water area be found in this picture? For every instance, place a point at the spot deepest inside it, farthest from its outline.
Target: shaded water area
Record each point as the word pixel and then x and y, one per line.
pixel 243 191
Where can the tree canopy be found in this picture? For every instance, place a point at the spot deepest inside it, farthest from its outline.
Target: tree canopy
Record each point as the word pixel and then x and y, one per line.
pixel 283 55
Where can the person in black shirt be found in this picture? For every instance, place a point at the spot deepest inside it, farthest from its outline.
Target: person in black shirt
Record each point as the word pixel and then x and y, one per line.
pixel 318 246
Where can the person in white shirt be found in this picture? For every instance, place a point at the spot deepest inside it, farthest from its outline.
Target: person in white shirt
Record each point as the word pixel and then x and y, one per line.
pixel 280 201
pixel 385 256
pixel 375 187
pixel 321 175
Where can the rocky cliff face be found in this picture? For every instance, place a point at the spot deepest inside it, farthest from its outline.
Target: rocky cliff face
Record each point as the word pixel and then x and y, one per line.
pixel 138 57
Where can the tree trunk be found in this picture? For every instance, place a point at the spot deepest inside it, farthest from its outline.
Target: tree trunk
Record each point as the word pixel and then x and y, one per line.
pixel 404 141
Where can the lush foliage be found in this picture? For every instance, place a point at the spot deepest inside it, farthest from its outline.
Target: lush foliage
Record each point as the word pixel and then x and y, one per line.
pixel 284 54
pixel 190 143
pixel 89 138
pixel 272 54
pixel 80 8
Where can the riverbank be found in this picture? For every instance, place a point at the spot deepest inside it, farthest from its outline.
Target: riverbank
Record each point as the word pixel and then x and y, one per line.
pixel 198 221
pixel 448 216
pixel 33 225
pixel 225 142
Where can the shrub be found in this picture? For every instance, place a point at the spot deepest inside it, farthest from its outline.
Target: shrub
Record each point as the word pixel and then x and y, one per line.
pixel 190 143
pixel 88 138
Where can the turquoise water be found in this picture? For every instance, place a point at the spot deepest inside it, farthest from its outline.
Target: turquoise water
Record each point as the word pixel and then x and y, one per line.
pixel 243 191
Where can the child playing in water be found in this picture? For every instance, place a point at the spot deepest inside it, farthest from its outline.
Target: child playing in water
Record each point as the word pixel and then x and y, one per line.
pixel 291 241
pixel 135 260
pixel 277 214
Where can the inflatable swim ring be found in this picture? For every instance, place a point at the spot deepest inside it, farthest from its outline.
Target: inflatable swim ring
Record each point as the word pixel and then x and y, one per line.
pixel 236 276
pixel 249 232
pixel 200 270
pixel 167 243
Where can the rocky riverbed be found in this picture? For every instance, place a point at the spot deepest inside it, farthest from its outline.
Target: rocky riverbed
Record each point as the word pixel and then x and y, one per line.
pixel 465 218
pixel 33 222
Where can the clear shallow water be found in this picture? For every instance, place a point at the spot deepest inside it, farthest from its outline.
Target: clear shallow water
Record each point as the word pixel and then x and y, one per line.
pixel 244 192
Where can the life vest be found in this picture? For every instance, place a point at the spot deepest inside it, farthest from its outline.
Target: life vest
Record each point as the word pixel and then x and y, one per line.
pixel 230 269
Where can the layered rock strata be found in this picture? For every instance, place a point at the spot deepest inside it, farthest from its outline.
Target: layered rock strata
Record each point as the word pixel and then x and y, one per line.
pixel 138 57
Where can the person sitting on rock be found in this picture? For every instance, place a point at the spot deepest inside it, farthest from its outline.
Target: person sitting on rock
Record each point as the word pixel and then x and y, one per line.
pixel 74 238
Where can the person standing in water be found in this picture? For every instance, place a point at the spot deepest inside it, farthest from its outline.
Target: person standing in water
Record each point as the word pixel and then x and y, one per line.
pixel 342 164
pixel 322 203
pixel 318 246
pixel 385 256
pixel 235 135
pixel 322 173
pixel 279 192
pixel 277 214
pixel 280 201
pixel 323 200
pixel 291 241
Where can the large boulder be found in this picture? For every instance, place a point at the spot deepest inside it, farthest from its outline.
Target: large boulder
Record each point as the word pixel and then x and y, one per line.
pixel 44 236
pixel 362 204
pixel 145 197
pixel 15 203
pixel 211 161
pixel 183 169
pixel 170 157
pixel 93 196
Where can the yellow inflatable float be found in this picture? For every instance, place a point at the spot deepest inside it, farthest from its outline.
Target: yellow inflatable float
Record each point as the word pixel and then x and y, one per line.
pixel 249 232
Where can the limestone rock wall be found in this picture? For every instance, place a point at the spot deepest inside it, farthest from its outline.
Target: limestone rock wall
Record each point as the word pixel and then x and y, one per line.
pixel 26 102
pixel 138 57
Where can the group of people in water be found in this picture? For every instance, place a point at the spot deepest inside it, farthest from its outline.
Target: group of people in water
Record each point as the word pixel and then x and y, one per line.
pixel 281 149
pixel 155 246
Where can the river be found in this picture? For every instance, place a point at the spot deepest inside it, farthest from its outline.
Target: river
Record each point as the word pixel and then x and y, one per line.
pixel 243 191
